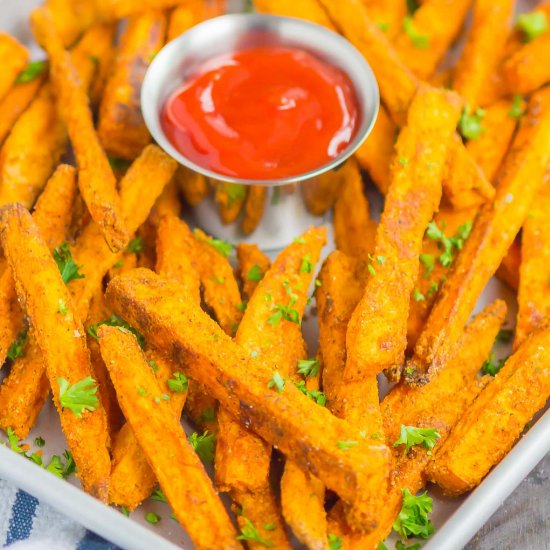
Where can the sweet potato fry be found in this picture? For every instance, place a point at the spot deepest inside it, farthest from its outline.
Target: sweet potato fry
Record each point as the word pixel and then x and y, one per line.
pixel 111 10
pixel 96 180
pixel 253 208
pixel 71 18
pixel 52 215
pixel 439 404
pixel 492 424
pixel 193 186
pixel 493 232
pixel 62 340
pixel 534 271
pixel 309 435
pixel 230 198
pixel 376 337
pixel 489 150
pixel 427 35
pixel 354 231
pixel 321 192
pixel 397 84
pixel 15 102
pixel 508 270
pixel 13 58
pixel 179 470
pixel 140 187
pixel 387 15
pixel 306 9
pixel 190 14
pixel 121 127
pixel 376 153
pixel 253 264
pixel 484 48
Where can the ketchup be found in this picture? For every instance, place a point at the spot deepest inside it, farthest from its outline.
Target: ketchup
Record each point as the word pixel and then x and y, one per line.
pixel 262 113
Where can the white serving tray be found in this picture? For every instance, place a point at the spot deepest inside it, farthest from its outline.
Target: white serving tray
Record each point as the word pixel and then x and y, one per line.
pixel 456 520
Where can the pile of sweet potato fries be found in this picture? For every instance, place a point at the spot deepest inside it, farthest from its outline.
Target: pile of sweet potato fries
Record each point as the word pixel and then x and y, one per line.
pixel 111 304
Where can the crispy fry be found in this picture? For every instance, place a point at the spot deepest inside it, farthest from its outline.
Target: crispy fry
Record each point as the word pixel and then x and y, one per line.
pixel 179 470
pixel 15 102
pixel 387 15
pixel 193 186
pixel 534 274
pixel 464 183
pixel 230 198
pixel 71 18
pixel 253 208
pixel 305 9
pixel 489 150
pixel 376 337
pixel 354 231
pixel 492 424
pixel 309 435
pixel 376 153
pixel 321 192
pixel 242 458
pixel 140 187
pixel 397 84
pixel 62 340
pixel 427 35
pixel 121 128
pixel 96 180
pixel 13 58
pixel 110 10
pixel 251 258
pixel 508 270
pixel 168 204
pixel 438 404
pixel 483 50
pixel 188 15
pixel 494 231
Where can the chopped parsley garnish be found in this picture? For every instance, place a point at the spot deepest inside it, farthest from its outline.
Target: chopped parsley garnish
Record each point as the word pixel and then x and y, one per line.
pixel 119 164
pixel 334 542
pixel 158 495
pixel 308 367
pixel 505 335
pixel 178 383
pixel 371 269
pixel 242 306
pixel 39 442
pixel 284 312
pixel 470 124
pixel 153 365
pixel 413 519
pixel 79 397
pixel 277 381
pixel 208 415
pixel 418 40
pixel 118 264
pixel 412 6
pixel 316 395
pixel 404 161
pixel 300 240
pixel 318 283
pixel 235 193
pixel 124 511
pixel 383 26
pixel 532 25
pixel 63 309
pixel 434 287
pixel 152 518
pixel 67 266
pixel 204 445
pixel 491 367
pixel 449 244
pixel 135 246
pixel 33 70
pixel 399 545
pixel 222 247
pixel 428 261
pixel 418 296
pixel 346 445
pixel 306 265
pixel 116 321
pixel 255 274
pixel 17 348
pixel 518 109
pixel 249 532
pixel 270 527
pixel 411 436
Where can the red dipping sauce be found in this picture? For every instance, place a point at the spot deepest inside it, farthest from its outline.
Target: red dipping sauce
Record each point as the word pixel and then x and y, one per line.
pixel 262 113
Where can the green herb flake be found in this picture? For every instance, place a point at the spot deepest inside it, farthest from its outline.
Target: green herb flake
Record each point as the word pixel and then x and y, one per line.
pixel 158 495
pixel 308 367
pixel 119 164
pixel 203 445
pixel 492 367
pixel 403 161
pixel 470 124
pixel 334 542
pixel 32 71
pixel 124 511
pixel 518 107
pixel 411 436
pixel 153 365
pixel 135 246
pixel 249 532
pixel 39 442
pixel 346 445
pixel 270 527
pixel 449 245
pixel 532 25
pixel 277 381
pixel 315 395
pixel 413 519
pixel 418 296
pixel 209 415
pixel 417 39
pixel 428 261
pixel 505 335
pixel 62 308
pixel 306 266
pixel 178 383
pixel 65 263
pixel 17 347
pixel 116 321
pixel 222 247
pixel 79 397
pixel 371 269
pixel 152 518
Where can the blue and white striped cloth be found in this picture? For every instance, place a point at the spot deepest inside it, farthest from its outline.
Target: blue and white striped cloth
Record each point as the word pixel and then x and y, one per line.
pixel 26 524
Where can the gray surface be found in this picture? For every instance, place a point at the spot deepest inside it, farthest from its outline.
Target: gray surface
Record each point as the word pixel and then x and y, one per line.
pixel 523 521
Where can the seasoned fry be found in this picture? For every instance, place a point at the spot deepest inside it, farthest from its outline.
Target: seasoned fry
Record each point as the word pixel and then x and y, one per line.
pixel 494 231
pixel 121 128
pixel 188 15
pixel 13 58
pixel 508 270
pixel 193 186
pixel 397 84
pixel 387 15
pixel 376 337
pixel 15 102
pixel 71 18
pixel 62 340
pixel 489 150
pixel 534 274
pixel 230 198
pixel 140 187
pixel 243 459
pixel 439 404
pixel 305 9
pixel 427 35
pixel 309 435
pixel 483 50
pixel 96 180
pixel 354 231
pixel 492 424
pixel 253 264
pixel 320 193
pixel 179 470
pixel 376 153
pixel 110 10
pixel 253 208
